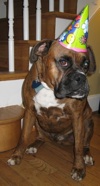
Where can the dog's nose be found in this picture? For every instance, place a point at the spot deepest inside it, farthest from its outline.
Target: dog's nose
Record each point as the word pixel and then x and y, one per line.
pixel 78 77
pixel 77 80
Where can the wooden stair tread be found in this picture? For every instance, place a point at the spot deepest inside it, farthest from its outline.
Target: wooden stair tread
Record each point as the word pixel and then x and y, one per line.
pixel 11 113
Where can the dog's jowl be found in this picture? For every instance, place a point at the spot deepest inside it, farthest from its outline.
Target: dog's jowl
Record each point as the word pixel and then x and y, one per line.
pixel 55 99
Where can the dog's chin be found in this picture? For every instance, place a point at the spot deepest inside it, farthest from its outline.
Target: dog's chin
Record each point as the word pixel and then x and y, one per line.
pixel 79 94
pixel 75 96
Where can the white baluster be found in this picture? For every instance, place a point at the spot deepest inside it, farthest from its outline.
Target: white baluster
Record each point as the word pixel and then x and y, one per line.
pixel 51 5
pixel 61 5
pixel 25 20
pixel 11 35
pixel 38 20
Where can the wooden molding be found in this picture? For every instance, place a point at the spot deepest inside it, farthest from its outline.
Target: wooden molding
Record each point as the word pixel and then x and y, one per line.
pixel 5 76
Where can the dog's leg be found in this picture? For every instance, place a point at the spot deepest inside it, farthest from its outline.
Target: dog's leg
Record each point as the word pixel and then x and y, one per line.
pixel 29 121
pixel 78 170
pixel 32 148
pixel 89 126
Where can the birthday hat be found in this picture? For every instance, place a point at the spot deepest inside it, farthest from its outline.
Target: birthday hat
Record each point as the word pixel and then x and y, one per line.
pixel 76 34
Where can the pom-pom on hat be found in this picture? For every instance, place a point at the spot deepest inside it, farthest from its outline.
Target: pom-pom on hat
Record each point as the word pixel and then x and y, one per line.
pixel 76 34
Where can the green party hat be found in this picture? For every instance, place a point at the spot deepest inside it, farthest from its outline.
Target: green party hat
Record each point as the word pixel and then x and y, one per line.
pixel 76 34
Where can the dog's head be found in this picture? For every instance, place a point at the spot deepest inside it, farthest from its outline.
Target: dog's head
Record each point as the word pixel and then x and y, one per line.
pixel 64 70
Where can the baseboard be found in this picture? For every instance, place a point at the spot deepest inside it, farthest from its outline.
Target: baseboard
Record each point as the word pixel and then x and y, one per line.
pixel 94 101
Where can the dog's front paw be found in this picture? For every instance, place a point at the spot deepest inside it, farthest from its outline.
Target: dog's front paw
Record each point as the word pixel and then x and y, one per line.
pixel 31 150
pixel 78 174
pixel 14 160
pixel 88 160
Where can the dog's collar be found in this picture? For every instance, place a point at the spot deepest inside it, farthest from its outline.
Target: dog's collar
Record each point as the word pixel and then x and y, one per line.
pixel 37 85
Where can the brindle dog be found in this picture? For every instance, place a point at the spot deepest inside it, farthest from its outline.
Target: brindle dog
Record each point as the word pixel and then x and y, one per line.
pixel 55 99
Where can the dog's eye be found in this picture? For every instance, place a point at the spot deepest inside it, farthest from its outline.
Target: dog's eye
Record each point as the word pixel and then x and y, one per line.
pixel 85 64
pixel 63 63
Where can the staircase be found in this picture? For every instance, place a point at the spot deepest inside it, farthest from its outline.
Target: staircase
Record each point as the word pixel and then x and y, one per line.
pixel 49 30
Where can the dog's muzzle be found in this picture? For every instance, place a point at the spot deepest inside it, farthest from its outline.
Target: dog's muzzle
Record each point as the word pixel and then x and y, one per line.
pixel 73 85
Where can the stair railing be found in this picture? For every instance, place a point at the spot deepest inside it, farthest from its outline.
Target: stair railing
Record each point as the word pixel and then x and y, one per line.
pixel 25 20
pixel 11 35
pixel 25 25
pixel 38 20
pixel 61 5
pixel 51 5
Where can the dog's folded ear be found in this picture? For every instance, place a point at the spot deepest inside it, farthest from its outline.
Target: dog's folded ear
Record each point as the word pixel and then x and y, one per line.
pixel 40 49
pixel 92 67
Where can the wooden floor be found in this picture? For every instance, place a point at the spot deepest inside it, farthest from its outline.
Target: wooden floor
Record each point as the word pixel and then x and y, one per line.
pixel 51 166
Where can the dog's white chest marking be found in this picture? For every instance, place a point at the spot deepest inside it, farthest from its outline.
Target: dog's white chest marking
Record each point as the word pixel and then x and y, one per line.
pixel 45 98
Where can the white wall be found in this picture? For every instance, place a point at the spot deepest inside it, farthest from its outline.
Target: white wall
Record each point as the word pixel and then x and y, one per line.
pixel 61 25
pixel 10 92
pixel 2 9
pixel 94 5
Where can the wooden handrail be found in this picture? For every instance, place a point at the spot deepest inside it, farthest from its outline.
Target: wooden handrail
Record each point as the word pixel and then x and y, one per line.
pixel 60 15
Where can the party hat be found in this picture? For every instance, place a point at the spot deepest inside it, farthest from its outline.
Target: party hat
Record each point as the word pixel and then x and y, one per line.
pixel 76 34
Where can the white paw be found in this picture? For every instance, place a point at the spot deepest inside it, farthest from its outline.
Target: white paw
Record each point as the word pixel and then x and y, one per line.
pixel 88 160
pixel 31 150
pixel 76 177
pixel 77 174
pixel 11 162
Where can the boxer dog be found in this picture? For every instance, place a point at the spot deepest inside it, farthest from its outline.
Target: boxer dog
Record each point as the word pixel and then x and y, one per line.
pixel 55 99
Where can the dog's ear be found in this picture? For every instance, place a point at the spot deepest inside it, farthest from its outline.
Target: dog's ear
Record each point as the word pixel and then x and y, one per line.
pixel 40 49
pixel 92 67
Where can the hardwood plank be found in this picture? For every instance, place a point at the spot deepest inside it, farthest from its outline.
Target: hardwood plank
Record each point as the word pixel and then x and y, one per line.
pixel 35 176
pixel 10 176
pixel 3 182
